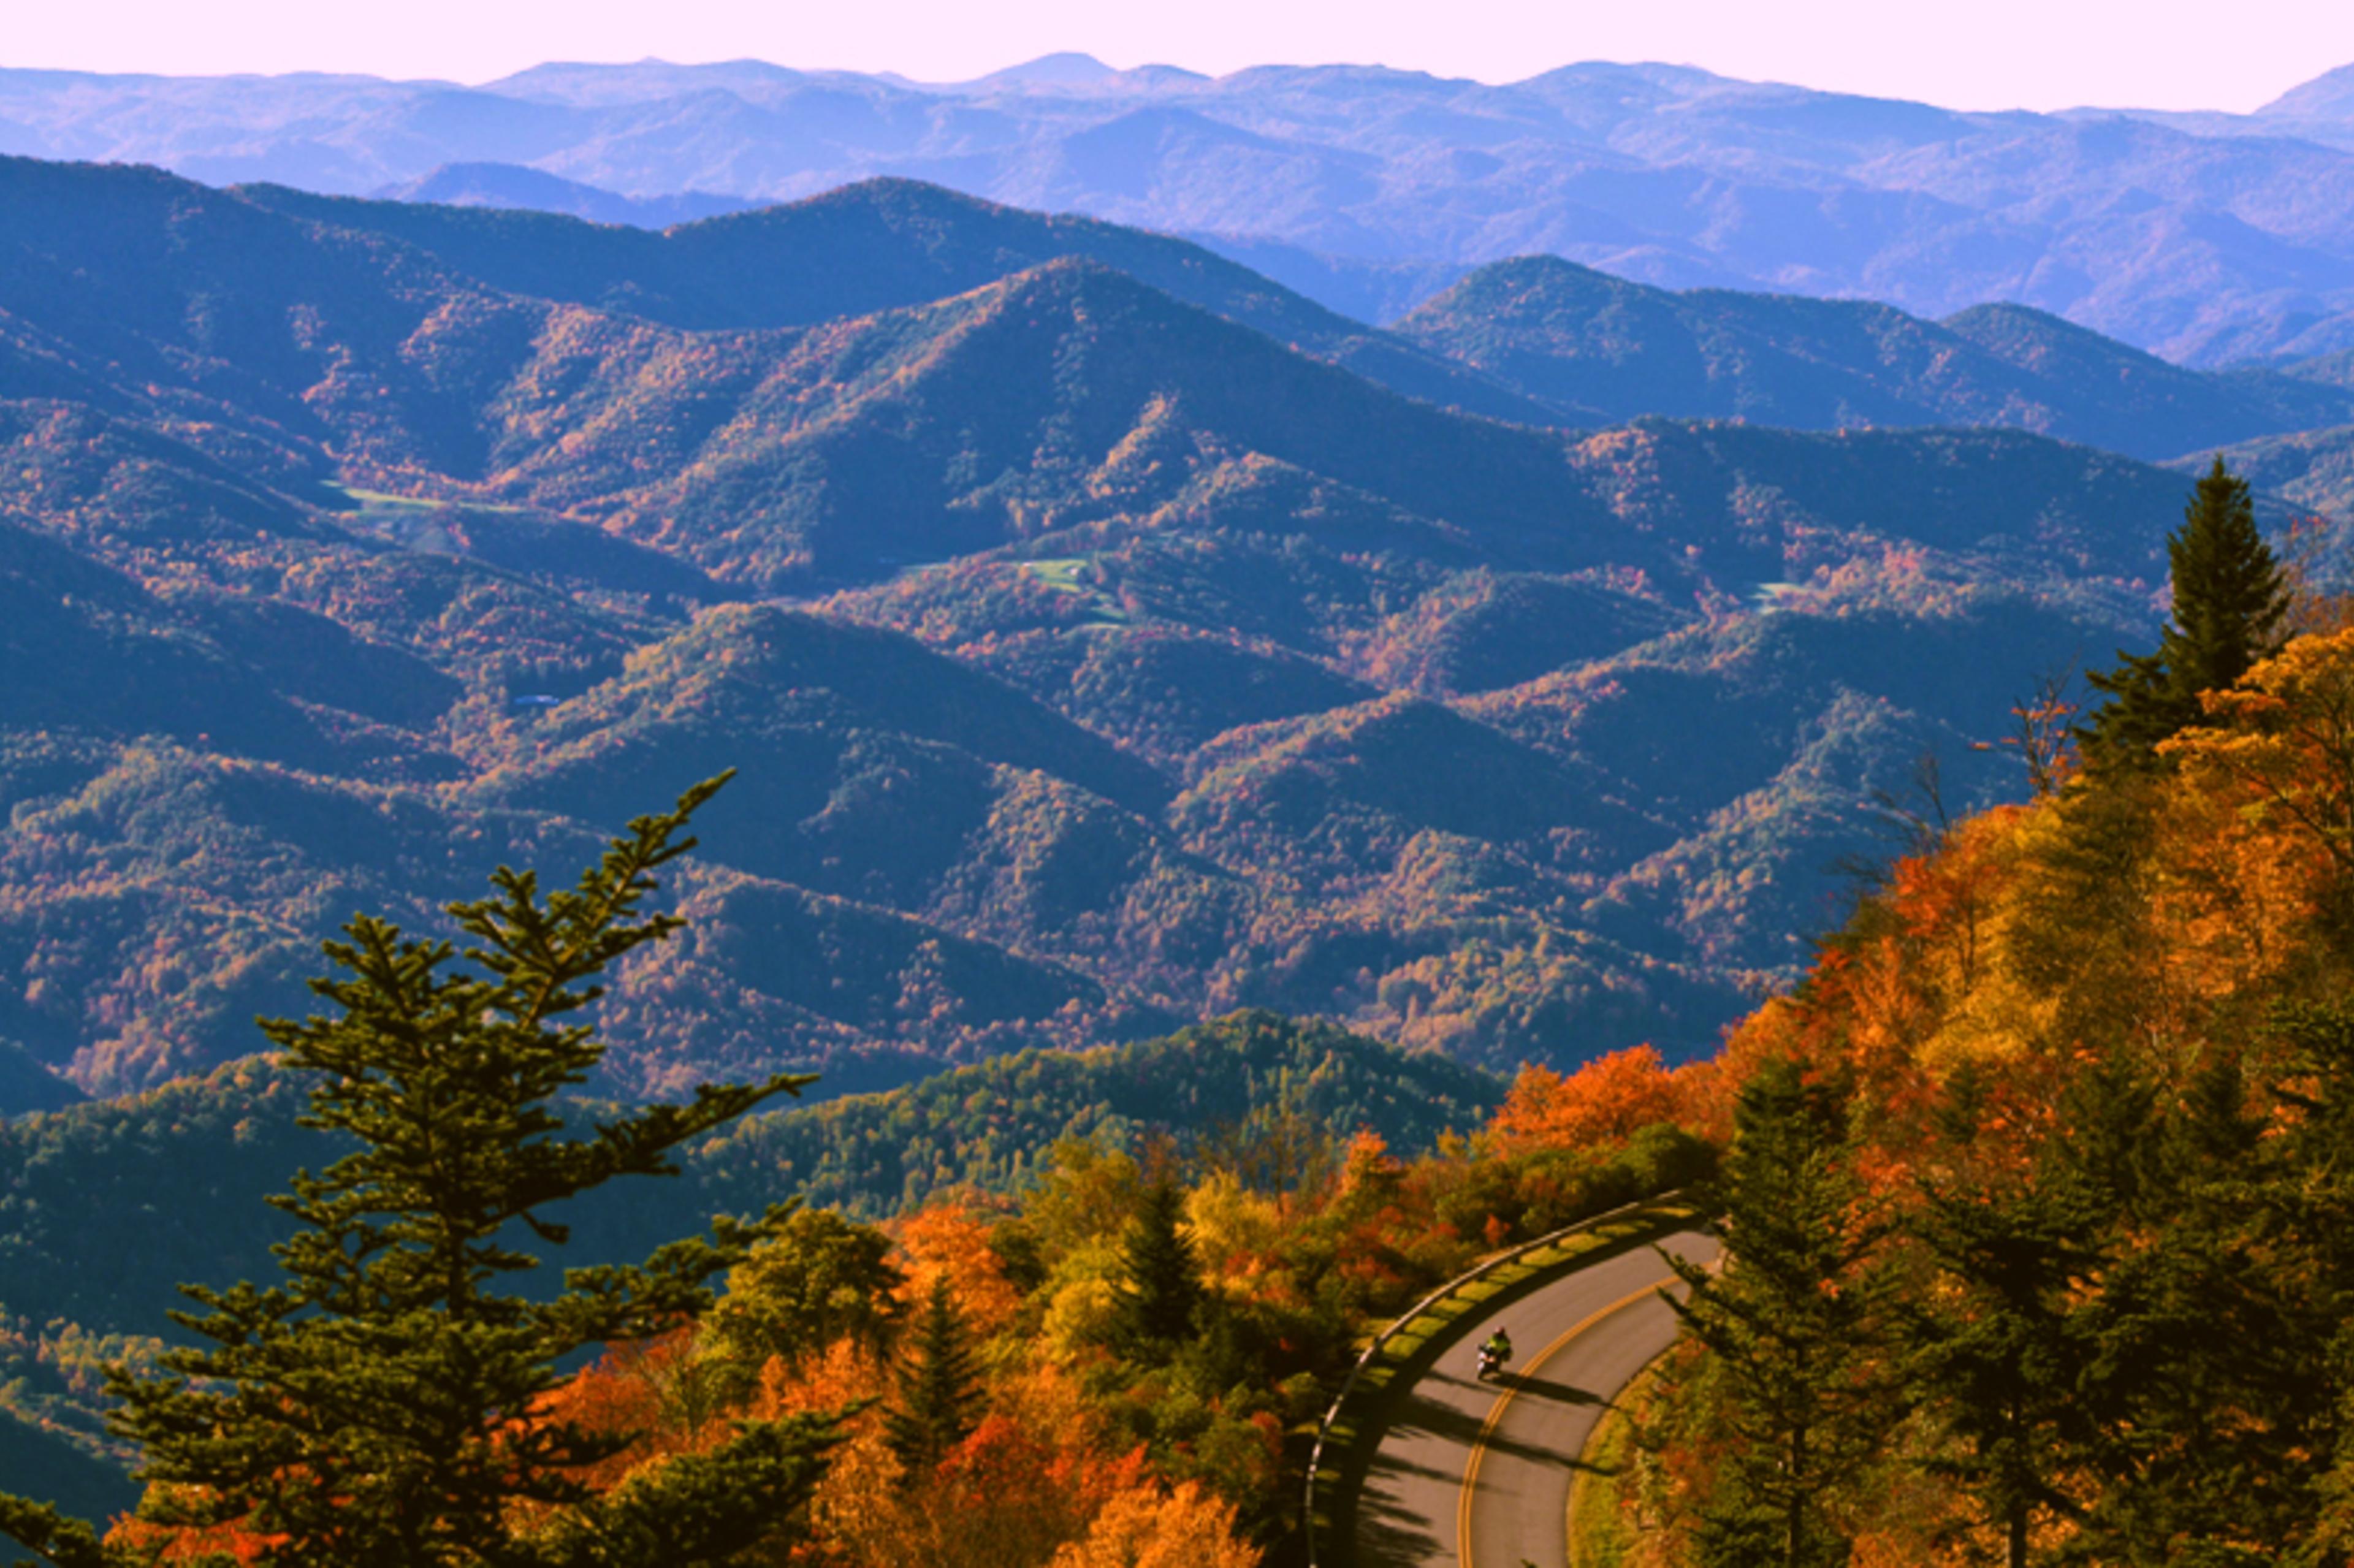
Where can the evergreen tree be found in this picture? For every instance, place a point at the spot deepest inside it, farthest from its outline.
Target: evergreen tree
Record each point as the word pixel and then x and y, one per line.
pixel 2308 1204
pixel 940 1389
pixel 2207 1385
pixel 1792 1321
pixel 2229 599
pixel 1159 1296
pixel 1994 1358
pixel 374 1407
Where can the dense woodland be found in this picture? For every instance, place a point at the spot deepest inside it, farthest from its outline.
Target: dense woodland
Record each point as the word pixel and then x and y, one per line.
pixel 1194 679
pixel 2035 1192
pixel 1119 1355
pixel 1102 649
pixel 2031 1192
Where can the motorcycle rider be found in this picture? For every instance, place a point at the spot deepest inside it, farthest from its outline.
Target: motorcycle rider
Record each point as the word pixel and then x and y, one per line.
pixel 1496 1351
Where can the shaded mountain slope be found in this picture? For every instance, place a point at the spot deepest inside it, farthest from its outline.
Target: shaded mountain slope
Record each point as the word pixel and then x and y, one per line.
pixel 873 246
pixel 44 1465
pixel 1595 346
pixel 516 185
pixel 211 1147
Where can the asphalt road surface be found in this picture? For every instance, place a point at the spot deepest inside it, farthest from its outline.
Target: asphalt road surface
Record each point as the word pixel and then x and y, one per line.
pixel 1477 1475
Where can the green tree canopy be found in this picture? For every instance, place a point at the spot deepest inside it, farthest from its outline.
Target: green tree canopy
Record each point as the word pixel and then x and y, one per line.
pixel 1994 1356
pixel 940 1387
pixel 1793 1320
pixel 1160 1293
pixel 2229 599
pixel 376 1405
pixel 818 1280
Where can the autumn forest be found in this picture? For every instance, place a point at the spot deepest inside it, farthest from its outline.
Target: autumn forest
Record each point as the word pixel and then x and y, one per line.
pixel 888 881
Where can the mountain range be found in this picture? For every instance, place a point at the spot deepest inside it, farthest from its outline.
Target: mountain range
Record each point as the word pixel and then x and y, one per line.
pixel 1094 658
pixel 1535 340
pixel 2205 238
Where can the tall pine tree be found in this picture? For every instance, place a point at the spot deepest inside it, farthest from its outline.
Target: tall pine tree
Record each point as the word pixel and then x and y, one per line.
pixel 940 1389
pixel 1792 1321
pixel 1159 1296
pixel 376 1406
pixel 1993 1357
pixel 2229 599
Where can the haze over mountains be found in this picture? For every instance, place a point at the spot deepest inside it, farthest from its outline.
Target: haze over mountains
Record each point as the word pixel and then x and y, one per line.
pixel 1536 340
pixel 1493 570
pixel 2206 239
pixel 1095 658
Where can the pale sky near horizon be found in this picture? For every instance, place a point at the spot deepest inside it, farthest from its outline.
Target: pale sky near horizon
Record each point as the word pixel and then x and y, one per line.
pixel 1967 54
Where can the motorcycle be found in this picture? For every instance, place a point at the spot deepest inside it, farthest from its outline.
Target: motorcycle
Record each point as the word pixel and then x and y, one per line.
pixel 1492 1361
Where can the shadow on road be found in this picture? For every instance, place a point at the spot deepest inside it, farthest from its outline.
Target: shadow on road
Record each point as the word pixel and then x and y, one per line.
pixel 1546 1389
pixel 1390 1536
pixel 1420 1414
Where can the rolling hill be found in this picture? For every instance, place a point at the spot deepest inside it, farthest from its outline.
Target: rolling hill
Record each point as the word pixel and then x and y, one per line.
pixel 1599 348
pixel 105 1208
pixel 211 1149
pixel 872 245
pixel 1094 660
pixel 2311 470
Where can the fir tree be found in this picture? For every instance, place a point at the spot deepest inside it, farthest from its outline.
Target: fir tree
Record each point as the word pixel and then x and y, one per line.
pixel 2229 598
pixel 1159 1296
pixel 940 1389
pixel 374 1407
pixel 1792 1320
pixel 1994 1359
pixel 2207 1384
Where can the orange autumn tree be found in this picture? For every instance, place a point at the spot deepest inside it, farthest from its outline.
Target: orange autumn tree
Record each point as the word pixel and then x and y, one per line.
pixel 2090 1040
pixel 1608 1101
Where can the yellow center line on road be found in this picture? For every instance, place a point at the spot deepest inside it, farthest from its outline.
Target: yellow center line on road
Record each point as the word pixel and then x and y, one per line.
pixel 1496 1415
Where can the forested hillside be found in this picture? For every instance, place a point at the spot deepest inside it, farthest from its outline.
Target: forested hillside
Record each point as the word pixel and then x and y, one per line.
pixel 1094 662
pixel 1114 1327
pixel 177 1176
pixel 1596 348
pixel 106 1208
pixel 2038 1175
pixel 1089 664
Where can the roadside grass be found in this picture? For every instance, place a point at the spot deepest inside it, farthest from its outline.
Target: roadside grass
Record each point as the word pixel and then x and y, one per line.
pixel 1599 1536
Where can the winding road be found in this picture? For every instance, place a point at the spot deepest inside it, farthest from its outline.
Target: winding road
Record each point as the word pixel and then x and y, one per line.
pixel 1473 1475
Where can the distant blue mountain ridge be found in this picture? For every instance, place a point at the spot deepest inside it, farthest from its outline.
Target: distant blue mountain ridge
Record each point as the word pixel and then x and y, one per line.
pixel 2208 239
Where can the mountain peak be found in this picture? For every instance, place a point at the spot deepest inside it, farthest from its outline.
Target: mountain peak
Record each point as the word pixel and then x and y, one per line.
pixel 2329 96
pixel 1066 68
pixel 1521 284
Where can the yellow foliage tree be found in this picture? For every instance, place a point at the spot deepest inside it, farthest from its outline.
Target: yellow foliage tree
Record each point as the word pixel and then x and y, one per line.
pixel 1144 1527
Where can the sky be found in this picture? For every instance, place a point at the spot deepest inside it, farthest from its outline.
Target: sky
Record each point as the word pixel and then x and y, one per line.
pixel 1964 54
